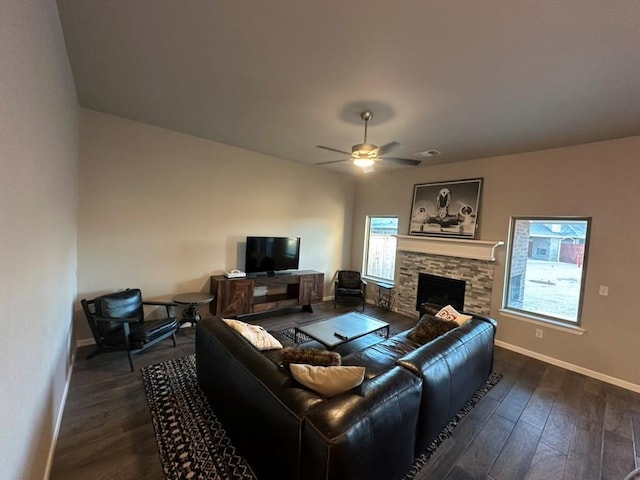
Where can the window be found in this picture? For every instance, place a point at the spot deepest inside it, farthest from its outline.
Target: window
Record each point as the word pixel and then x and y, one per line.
pixel 545 271
pixel 380 248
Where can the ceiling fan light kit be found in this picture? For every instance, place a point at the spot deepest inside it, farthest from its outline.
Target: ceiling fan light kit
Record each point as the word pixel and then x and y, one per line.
pixel 363 162
pixel 364 150
pixel 365 154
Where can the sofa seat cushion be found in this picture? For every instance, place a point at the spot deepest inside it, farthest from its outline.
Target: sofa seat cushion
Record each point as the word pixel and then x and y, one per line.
pixel 382 356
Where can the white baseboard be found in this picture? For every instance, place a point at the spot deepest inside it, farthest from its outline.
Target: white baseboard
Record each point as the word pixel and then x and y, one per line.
pixel 570 366
pixel 56 430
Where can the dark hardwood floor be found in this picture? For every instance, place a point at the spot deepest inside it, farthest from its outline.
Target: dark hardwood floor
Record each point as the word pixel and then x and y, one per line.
pixel 539 422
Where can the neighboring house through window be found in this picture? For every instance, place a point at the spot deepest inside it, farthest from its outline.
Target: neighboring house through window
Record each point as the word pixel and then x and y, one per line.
pixel 380 248
pixel 546 268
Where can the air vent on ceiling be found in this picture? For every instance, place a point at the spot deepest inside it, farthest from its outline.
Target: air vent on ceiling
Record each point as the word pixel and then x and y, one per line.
pixel 427 153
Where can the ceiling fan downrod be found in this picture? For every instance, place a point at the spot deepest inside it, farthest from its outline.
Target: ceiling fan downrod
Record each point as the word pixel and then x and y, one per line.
pixel 366 116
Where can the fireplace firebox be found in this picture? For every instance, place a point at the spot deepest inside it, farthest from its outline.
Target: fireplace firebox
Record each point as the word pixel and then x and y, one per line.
pixel 440 290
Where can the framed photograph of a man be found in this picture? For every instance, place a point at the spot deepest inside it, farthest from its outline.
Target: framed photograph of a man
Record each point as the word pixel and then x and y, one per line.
pixel 446 209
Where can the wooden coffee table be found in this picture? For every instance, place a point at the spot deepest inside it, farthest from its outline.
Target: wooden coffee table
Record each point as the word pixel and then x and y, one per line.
pixel 338 330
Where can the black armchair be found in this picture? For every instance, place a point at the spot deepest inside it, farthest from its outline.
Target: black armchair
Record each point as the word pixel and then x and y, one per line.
pixel 350 286
pixel 117 323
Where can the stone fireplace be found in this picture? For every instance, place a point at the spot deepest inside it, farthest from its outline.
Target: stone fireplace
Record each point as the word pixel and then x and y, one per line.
pixel 468 261
pixel 440 290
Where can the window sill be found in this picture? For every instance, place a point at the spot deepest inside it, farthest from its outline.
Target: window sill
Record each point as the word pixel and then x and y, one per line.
pixel 574 330
pixel 377 280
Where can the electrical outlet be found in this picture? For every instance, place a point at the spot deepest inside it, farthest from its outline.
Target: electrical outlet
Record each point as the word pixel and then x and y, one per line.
pixel 538 333
pixel 604 290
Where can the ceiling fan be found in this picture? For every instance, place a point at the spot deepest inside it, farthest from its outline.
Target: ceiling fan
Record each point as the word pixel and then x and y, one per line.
pixel 366 154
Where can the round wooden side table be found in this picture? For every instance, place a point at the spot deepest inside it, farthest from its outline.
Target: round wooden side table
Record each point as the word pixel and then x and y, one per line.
pixel 193 300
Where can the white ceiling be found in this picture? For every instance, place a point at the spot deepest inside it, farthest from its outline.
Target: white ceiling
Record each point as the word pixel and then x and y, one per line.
pixel 469 78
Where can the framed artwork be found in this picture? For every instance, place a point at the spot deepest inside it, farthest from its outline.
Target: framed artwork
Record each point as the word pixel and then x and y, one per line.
pixel 446 209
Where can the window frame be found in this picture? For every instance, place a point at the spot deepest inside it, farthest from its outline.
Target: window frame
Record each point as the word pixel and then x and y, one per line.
pixel 365 255
pixel 533 315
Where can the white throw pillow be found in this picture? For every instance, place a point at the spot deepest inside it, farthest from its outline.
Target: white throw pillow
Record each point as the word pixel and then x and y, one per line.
pixel 450 313
pixel 255 334
pixel 327 381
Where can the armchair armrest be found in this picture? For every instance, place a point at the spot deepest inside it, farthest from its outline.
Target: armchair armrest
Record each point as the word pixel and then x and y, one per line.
pixel 117 320
pixel 166 305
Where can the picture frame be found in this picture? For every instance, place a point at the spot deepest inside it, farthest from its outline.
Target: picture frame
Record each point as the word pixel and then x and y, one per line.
pixel 446 209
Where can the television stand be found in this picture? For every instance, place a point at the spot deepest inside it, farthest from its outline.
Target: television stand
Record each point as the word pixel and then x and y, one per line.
pixel 271 274
pixel 236 296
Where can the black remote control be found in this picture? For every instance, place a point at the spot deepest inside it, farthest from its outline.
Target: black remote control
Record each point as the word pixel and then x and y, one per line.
pixel 341 336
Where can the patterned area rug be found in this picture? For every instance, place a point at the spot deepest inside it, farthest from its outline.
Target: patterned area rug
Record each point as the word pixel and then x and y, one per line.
pixel 194 445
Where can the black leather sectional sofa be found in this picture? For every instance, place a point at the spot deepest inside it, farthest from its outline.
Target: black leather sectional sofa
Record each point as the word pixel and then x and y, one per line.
pixel 374 431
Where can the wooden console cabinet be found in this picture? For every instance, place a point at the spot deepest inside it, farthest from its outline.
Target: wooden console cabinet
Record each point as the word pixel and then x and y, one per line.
pixel 236 296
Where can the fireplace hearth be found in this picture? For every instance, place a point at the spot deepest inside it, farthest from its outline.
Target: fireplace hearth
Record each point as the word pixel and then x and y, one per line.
pixel 440 290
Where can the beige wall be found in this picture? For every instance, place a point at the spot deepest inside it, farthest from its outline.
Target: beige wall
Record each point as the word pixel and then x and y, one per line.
pixel 163 211
pixel 38 161
pixel 601 180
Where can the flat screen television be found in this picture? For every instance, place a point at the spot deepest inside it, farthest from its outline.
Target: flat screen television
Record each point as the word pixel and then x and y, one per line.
pixel 272 254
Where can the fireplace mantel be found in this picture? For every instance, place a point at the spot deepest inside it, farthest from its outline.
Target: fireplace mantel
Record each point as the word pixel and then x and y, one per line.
pixel 450 247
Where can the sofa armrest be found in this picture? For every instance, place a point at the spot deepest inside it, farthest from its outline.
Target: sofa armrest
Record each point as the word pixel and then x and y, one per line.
pixel 452 367
pixel 367 434
pixel 489 320
pixel 256 400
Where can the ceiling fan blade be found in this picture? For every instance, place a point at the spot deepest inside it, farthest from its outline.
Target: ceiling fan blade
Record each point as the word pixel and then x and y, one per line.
pixel 403 161
pixel 334 161
pixel 389 147
pixel 333 149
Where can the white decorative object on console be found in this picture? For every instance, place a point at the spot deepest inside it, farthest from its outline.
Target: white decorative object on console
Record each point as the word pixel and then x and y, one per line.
pixel 235 274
